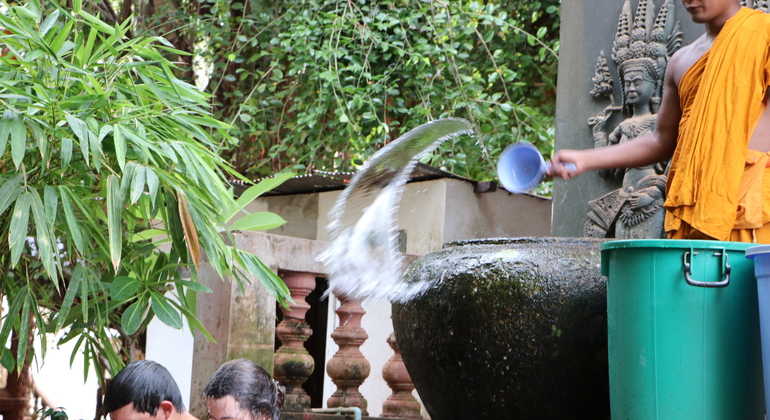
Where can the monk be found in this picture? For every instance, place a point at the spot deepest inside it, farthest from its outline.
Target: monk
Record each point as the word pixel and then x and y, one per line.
pixel 713 124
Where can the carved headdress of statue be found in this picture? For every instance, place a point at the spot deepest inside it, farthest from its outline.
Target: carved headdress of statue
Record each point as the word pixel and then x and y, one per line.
pixel 647 45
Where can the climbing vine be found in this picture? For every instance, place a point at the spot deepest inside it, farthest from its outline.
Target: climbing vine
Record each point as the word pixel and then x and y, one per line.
pixel 322 84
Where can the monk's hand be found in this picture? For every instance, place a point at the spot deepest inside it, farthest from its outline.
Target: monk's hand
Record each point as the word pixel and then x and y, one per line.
pixel 566 164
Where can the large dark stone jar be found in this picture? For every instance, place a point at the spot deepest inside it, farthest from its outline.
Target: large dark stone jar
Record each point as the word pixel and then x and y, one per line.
pixel 509 329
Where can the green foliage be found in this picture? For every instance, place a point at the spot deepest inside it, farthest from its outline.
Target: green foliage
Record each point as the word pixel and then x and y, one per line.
pixel 105 157
pixel 323 83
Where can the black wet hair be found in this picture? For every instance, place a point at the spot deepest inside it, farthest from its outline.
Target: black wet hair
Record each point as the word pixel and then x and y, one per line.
pixel 144 383
pixel 250 385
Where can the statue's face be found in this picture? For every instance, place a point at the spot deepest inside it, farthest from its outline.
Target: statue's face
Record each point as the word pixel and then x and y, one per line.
pixel 637 88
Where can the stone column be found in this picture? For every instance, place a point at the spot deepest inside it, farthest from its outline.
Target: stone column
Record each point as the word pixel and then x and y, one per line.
pixel 293 364
pixel 401 403
pixel 348 368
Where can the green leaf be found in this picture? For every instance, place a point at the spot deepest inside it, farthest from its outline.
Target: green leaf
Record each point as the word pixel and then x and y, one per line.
pixel 97 23
pixel 192 285
pixel 9 191
pixel 18 140
pixel 131 319
pixel 43 239
pixel 120 146
pixel 51 200
pixel 7 360
pixel 77 6
pixel 152 184
pixel 147 235
pixel 72 221
pixel 21 352
pixel 12 315
pixel 66 152
pixel 137 184
pixel 165 311
pixel 255 191
pixel 80 130
pixel 123 287
pixel 49 22
pixel 69 296
pixel 5 128
pixel 19 226
pixel 114 225
pixel 258 221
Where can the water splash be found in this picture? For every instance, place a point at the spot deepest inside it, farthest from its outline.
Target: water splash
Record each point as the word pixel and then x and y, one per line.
pixel 362 259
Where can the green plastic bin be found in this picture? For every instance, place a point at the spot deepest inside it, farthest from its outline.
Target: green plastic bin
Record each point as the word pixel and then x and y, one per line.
pixel 683 324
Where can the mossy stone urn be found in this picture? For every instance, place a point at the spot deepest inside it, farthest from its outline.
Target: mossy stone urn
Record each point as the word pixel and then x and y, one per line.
pixel 509 329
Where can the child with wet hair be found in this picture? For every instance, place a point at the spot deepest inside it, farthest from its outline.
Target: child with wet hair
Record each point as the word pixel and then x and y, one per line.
pixel 241 389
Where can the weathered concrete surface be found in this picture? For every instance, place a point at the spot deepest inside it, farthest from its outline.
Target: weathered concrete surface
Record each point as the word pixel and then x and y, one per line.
pixel 587 28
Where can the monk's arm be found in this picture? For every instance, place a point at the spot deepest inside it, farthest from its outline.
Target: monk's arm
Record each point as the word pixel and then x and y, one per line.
pixel 642 151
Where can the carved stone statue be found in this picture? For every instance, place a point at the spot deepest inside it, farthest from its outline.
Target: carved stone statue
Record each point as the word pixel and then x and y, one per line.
pixel 640 53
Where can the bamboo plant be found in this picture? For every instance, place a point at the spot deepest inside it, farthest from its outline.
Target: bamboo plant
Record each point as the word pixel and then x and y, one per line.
pixel 102 152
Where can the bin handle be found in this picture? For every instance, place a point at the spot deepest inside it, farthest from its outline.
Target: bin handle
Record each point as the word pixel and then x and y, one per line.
pixel 725 277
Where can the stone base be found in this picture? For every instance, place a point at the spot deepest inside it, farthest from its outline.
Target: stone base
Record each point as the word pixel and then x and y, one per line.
pixel 320 416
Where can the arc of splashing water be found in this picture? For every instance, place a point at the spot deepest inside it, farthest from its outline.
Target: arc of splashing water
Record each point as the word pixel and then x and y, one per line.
pixel 362 259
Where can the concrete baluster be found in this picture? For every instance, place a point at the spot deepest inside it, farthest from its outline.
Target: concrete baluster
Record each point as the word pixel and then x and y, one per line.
pixel 401 403
pixel 348 368
pixel 293 364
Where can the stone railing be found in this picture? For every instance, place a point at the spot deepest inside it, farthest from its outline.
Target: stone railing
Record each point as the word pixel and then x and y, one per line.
pixel 240 318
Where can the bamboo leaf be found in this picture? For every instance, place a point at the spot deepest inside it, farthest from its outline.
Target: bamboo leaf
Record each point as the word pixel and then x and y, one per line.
pixel 77 6
pixel 126 180
pixel 258 221
pixel 9 191
pixel 152 184
pixel 43 238
pixel 137 184
pixel 165 311
pixel 131 319
pixel 21 352
pixel 78 127
pixel 114 206
pixel 174 224
pixel 147 235
pixel 69 296
pixel 72 221
pixel 123 287
pixel 61 38
pixel 190 232
pixel 5 128
pixel 195 324
pixel 18 141
pixel 51 200
pixel 19 226
pixel 12 315
pixel 66 152
pixel 262 187
pixel 192 285
pixel 49 22
pixel 97 23
pixel 120 146
pixel 85 287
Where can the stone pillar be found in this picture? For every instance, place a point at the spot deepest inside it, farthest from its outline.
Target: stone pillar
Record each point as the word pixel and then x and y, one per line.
pixel 293 364
pixel 401 403
pixel 348 368
pixel 241 318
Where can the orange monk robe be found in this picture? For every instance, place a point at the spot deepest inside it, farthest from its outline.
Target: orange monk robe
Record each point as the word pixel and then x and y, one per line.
pixel 722 100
